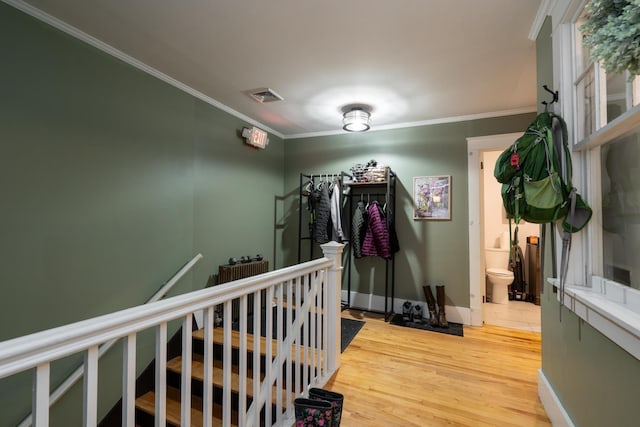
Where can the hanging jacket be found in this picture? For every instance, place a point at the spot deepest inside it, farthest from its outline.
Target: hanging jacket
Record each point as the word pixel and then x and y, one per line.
pixel 394 244
pixel 376 240
pixel 336 220
pixel 323 216
pixel 358 229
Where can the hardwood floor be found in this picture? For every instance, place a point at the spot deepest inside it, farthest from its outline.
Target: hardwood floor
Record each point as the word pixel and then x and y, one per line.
pixel 397 376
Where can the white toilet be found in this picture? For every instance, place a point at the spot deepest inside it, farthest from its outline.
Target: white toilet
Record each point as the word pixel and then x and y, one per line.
pixel 498 276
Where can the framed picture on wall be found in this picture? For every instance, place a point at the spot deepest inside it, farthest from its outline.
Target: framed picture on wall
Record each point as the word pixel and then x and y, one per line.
pixel 432 197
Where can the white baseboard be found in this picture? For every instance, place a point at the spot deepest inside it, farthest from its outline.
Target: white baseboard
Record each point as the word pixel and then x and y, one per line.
pixel 370 302
pixel 552 405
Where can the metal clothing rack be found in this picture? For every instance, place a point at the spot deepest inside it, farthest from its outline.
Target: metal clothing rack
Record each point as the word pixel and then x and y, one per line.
pixel 385 191
pixel 372 190
pixel 302 236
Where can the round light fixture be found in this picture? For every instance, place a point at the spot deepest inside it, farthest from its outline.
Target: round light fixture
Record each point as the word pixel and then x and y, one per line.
pixel 356 120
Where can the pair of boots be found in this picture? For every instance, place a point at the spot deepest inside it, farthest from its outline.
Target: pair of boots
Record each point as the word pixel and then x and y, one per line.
pixel 436 318
pixel 322 408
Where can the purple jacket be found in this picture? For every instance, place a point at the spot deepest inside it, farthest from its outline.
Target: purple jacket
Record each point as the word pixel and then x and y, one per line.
pixel 376 239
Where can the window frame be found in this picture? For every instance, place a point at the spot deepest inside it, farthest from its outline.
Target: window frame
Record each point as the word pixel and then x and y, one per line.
pixel 611 308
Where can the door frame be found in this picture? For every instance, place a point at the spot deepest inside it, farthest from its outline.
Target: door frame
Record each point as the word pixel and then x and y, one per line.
pixel 475 147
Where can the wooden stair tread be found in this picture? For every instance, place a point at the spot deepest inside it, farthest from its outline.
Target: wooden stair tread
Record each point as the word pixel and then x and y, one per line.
pixel 197 372
pixel 218 338
pixel 147 403
pixel 314 309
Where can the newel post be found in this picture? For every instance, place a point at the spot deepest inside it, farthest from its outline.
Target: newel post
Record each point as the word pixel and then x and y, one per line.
pixel 333 251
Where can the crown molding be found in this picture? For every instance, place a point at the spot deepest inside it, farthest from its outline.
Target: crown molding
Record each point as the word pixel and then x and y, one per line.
pixel 543 11
pixel 444 120
pixel 110 50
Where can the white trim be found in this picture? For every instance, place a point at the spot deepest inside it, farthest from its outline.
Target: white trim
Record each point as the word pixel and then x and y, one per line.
pixel 621 125
pixel 635 91
pixel 552 405
pixel 601 93
pixel 375 303
pixel 594 255
pixel 110 50
pixel 443 120
pixel 611 308
pixel 543 11
pixel 493 142
pixel 475 146
pixel 563 11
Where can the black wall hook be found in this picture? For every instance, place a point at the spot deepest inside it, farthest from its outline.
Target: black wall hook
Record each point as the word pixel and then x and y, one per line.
pixel 553 93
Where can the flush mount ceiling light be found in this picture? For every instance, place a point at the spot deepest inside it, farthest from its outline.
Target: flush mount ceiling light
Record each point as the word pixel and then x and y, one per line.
pixel 356 120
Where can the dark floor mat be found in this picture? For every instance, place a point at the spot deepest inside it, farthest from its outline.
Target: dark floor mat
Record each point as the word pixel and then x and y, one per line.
pixel 349 329
pixel 453 329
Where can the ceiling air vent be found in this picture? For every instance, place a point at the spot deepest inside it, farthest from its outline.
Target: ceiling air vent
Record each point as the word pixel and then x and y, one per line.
pixel 264 95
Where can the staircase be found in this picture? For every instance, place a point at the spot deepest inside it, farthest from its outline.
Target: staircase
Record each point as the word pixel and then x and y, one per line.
pixel 248 380
pixel 145 404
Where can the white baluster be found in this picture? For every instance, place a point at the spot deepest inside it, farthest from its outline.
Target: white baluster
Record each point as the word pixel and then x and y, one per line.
pixel 90 405
pixel 227 362
pixel 129 380
pixel 185 383
pixel 161 375
pixel 41 380
pixel 207 392
pixel 242 352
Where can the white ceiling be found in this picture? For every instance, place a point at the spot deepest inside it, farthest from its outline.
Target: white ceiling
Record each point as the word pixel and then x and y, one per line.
pixel 412 61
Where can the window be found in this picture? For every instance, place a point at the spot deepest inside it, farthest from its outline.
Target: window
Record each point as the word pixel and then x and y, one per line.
pixel 620 183
pixel 585 88
pixel 601 98
pixel 603 115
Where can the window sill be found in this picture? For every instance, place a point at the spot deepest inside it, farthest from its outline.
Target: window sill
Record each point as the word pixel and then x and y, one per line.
pixel 612 309
pixel 622 125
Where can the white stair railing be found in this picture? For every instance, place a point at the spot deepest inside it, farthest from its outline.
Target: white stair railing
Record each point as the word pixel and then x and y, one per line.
pixel 69 382
pixel 311 345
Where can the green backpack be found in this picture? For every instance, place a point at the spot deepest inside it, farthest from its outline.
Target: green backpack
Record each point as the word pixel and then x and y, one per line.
pixel 535 172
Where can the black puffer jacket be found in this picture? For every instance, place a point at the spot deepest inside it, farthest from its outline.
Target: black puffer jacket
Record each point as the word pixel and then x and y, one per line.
pixel 323 216
pixel 358 228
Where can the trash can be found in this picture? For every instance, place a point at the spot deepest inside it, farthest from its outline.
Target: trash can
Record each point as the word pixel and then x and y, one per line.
pixel 532 269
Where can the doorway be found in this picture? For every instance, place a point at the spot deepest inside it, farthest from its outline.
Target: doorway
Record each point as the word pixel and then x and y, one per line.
pixel 515 314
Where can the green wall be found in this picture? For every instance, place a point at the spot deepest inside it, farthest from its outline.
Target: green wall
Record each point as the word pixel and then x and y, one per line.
pixel 111 180
pixel 595 379
pixel 431 251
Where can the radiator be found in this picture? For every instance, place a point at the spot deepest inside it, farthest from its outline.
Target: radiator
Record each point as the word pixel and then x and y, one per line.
pixel 229 273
